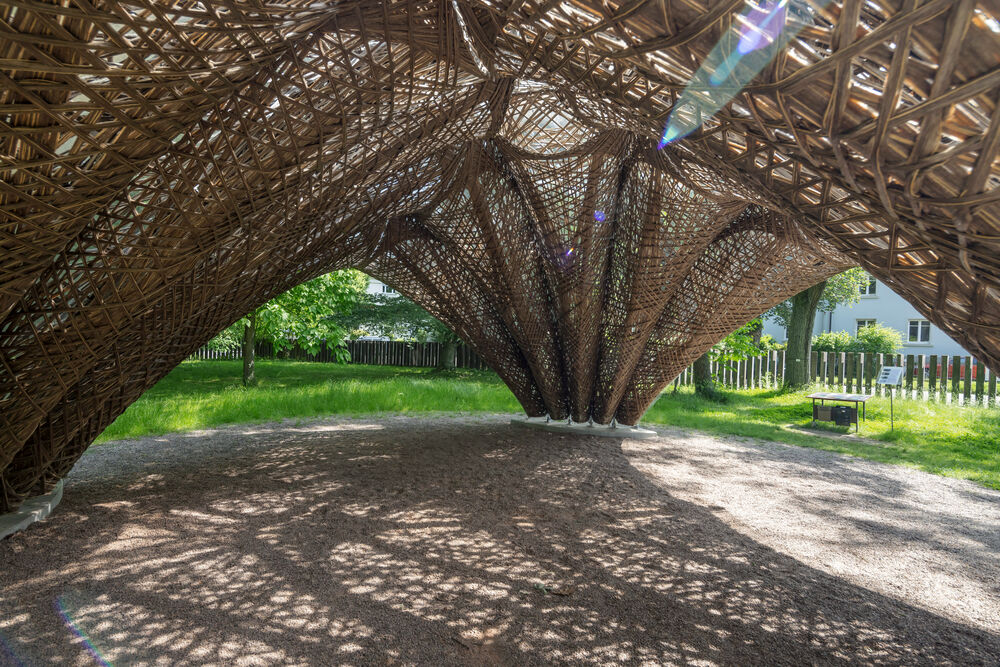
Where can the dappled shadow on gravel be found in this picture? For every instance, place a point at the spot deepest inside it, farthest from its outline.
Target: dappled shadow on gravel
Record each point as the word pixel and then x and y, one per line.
pixel 427 541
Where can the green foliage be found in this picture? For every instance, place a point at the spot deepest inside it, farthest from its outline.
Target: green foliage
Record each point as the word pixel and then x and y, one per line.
pixel 834 341
pixel 878 338
pixel 393 317
pixel 305 314
pixel 227 339
pixel 841 289
pixel 743 343
pixel 768 343
pixel 738 345
pixel 875 339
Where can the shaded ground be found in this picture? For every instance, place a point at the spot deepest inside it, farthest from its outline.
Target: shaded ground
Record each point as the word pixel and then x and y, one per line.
pixel 470 541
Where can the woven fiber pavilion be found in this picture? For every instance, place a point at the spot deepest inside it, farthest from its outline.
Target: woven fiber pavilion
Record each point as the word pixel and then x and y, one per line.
pixel 559 181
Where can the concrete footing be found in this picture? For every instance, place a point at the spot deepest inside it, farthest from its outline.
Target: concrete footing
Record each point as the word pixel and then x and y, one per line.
pixel 585 428
pixel 30 511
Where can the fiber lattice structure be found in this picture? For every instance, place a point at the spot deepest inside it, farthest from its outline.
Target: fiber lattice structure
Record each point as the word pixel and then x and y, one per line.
pixel 167 167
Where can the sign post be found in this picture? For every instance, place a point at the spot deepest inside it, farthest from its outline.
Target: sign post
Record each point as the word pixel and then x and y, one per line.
pixel 891 376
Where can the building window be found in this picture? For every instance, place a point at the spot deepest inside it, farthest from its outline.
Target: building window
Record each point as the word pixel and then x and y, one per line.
pixel 869 289
pixel 387 290
pixel 920 331
pixel 864 323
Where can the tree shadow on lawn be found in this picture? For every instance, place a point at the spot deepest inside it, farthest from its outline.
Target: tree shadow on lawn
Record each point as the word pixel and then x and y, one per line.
pixel 418 541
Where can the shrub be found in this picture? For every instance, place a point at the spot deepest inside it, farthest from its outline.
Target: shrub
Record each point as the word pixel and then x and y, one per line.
pixel 768 343
pixel 875 339
pixel 833 341
pixel 879 339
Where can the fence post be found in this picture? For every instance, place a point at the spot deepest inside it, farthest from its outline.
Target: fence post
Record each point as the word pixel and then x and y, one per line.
pixel 932 381
pixel 909 375
pixel 866 370
pixel 878 369
pixel 920 374
pixel 943 376
pixel 980 380
pixel 967 385
pixel 993 386
pixel 849 372
pixel 956 363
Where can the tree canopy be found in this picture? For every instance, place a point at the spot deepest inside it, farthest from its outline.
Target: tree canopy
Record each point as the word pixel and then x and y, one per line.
pixel 841 289
pixel 307 315
pixel 394 317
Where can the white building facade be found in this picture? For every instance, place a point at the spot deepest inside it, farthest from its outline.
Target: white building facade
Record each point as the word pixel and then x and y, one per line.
pixel 376 286
pixel 379 287
pixel 880 304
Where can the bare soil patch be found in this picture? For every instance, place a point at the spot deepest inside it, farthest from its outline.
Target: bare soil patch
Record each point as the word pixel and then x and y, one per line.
pixel 469 541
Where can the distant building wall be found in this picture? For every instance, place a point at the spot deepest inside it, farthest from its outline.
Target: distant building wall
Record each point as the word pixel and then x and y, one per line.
pixel 376 286
pixel 887 308
pixel 379 287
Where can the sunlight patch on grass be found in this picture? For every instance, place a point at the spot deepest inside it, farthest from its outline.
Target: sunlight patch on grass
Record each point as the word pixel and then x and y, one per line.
pixel 957 441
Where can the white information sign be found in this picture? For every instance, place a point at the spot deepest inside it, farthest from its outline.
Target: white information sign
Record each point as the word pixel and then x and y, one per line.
pixel 891 375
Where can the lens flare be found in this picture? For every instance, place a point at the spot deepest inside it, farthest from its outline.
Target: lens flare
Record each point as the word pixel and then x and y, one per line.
pixel 759 32
pixel 62 607
pixel 761 27
pixel 599 216
pixel 8 654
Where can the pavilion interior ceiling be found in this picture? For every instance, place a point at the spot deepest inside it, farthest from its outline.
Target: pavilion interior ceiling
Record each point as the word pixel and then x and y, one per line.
pixel 166 167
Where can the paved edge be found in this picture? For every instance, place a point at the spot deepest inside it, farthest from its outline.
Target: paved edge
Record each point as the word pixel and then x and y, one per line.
pixel 604 431
pixel 30 511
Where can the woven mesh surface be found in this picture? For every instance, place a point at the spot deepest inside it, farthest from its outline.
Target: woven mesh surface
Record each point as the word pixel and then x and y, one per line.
pixel 169 166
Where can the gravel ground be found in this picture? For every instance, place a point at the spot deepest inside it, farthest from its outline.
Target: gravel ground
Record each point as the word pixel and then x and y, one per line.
pixel 469 541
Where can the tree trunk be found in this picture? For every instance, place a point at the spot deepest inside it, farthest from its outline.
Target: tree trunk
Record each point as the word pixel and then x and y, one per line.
pixel 449 352
pixel 758 331
pixel 800 326
pixel 704 385
pixel 249 338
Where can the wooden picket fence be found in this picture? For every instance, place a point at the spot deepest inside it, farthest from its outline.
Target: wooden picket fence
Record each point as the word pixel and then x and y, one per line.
pixel 372 352
pixel 961 379
pixel 402 353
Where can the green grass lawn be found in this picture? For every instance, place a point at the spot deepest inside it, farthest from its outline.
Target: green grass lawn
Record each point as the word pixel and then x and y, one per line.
pixel 202 394
pixel 949 440
pixel 936 437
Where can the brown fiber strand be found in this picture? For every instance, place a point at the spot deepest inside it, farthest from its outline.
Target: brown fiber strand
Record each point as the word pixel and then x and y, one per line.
pixel 168 166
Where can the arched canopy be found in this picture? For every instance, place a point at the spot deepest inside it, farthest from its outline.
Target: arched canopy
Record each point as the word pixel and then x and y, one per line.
pixel 167 168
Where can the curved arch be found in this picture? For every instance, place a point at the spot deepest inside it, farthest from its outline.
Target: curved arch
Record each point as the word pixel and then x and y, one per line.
pixel 170 169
